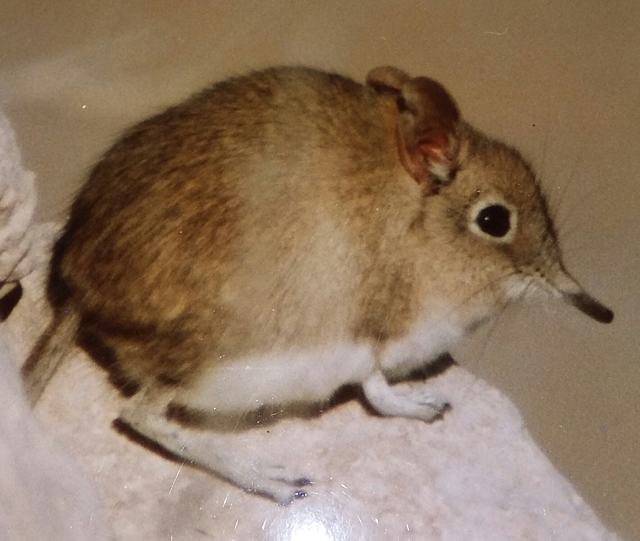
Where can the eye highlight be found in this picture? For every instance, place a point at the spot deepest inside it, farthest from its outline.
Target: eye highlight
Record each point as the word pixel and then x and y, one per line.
pixel 494 220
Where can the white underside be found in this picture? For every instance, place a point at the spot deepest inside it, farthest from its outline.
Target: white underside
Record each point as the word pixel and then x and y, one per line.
pixel 314 375
pixel 424 343
pixel 280 378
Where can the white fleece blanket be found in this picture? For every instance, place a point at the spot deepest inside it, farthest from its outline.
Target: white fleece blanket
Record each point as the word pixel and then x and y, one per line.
pixel 476 475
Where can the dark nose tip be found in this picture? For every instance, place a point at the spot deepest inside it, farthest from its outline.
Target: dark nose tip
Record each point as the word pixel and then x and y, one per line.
pixel 590 306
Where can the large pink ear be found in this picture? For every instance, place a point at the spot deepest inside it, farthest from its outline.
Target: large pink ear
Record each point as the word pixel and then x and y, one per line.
pixel 427 125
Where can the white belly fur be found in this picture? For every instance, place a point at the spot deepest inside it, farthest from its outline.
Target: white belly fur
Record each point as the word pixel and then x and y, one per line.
pixel 314 375
pixel 424 343
pixel 281 378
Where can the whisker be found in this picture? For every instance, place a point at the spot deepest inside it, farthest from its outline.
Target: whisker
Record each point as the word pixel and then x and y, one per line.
pixel 386 323
pixel 455 212
pixel 557 205
pixel 566 234
pixel 575 249
pixel 579 204
pixel 480 290
pixel 495 321
pixel 491 331
pixel 545 145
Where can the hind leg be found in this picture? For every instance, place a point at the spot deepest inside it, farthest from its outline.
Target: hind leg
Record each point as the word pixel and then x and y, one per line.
pixel 147 414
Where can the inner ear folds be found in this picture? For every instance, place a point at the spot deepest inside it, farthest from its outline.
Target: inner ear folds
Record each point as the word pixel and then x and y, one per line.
pixel 427 125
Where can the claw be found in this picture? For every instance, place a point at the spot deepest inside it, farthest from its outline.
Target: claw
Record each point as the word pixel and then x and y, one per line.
pixel 302 482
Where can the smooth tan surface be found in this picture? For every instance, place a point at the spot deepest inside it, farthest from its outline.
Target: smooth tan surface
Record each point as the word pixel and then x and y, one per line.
pixel 559 80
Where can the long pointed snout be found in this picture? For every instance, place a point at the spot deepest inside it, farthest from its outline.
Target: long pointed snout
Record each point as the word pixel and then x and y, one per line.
pixel 590 306
pixel 574 294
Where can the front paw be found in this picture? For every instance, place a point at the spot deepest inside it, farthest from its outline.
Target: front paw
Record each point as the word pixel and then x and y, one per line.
pixel 424 405
pixel 414 403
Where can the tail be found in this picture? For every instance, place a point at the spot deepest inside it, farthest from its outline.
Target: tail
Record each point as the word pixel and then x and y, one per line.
pixel 48 353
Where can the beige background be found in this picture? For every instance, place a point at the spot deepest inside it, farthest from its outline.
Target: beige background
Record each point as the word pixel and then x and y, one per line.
pixel 560 80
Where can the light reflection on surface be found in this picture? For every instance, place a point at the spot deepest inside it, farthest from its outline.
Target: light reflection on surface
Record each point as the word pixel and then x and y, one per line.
pixel 310 529
pixel 327 521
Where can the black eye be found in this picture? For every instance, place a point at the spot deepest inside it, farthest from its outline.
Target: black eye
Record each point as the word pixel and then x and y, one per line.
pixel 494 220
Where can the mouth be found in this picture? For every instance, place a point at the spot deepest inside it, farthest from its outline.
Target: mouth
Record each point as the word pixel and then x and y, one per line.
pixel 590 306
